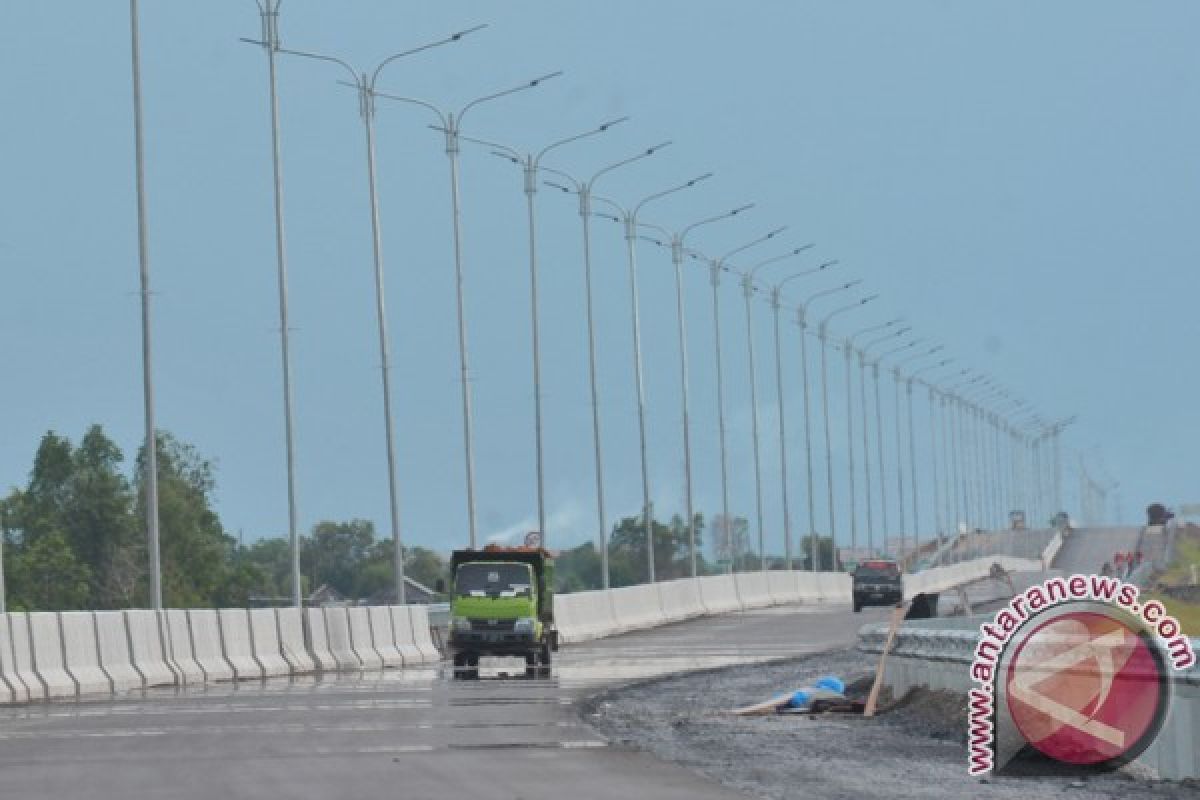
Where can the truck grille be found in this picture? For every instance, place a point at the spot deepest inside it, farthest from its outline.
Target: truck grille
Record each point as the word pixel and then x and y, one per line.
pixel 498 625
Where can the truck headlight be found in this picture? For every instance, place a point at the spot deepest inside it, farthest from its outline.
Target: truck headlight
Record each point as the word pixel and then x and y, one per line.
pixel 460 624
pixel 525 625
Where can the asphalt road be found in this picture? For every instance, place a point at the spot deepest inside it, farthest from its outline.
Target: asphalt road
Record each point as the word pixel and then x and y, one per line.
pixel 403 734
pixel 1087 549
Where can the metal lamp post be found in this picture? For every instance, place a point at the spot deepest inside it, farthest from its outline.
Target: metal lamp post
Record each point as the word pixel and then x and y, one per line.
pixel 364 83
pixel 715 267
pixel 629 216
pixel 848 352
pixel 677 240
pixel 747 293
pixel 584 190
pixel 451 127
pixel 530 164
pixel 150 449
pixel 862 383
pixel 776 291
pixel 899 437
pixel 912 451
pixel 822 337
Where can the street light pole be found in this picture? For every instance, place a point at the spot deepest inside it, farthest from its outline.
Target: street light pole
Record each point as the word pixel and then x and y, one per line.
pixel 783 477
pixel 451 127
pixel 630 219
pixel 715 267
pixel 677 242
pixel 747 293
pixel 802 323
pixel 848 351
pixel 899 446
pixel 364 85
pixel 269 13
pixel 530 164
pixel 823 336
pixel 150 450
pixel 584 190
pixel 912 451
pixel 880 434
pixel 862 384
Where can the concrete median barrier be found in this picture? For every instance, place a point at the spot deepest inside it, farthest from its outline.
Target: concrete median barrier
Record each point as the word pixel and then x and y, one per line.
pixel 782 586
pixel 179 647
pixel 637 607
pixel 45 635
pixel 318 640
pixel 402 634
pixel 206 645
pixel 112 644
pixel 419 617
pixel 146 647
pixel 753 589
pixel 719 595
pixel 835 587
pixel 360 638
pixel 18 626
pixel 264 637
pixel 383 636
pixel 808 587
pixel 17 692
pixel 235 641
pixel 81 653
pixel 291 641
pixel 680 599
pixel 586 615
pixel 337 636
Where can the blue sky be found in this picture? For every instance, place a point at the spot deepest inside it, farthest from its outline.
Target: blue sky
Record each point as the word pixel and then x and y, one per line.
pixel 1018 180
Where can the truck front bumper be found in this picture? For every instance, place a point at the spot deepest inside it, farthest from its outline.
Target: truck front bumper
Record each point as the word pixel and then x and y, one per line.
pixel 493 642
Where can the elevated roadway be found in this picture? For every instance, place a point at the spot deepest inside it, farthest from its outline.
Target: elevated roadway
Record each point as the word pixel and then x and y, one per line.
pixel 398 734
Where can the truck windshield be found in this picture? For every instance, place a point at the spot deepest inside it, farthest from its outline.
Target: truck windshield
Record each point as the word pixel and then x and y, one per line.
pixel 492 580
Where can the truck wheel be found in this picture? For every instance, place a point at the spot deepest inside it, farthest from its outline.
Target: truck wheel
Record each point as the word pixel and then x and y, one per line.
pixel 544 657
pixel 857 606
pixel 472 673
pixel 531 665
pixel 460 663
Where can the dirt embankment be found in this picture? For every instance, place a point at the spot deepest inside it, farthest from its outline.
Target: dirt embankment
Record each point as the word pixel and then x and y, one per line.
pixel 917 749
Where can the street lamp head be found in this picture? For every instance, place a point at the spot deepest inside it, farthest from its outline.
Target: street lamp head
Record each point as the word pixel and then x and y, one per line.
pixel 866 300
pixel 699 178
pixel 611 123
pixel 543 78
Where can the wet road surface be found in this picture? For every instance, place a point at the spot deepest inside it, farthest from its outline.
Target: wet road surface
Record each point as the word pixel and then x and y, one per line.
pixel 403 733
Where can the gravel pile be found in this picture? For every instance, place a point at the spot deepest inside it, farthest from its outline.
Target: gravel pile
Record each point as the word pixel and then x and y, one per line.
pixel 915 749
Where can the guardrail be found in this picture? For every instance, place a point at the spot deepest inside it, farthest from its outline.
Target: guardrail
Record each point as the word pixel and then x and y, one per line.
pixel 937 654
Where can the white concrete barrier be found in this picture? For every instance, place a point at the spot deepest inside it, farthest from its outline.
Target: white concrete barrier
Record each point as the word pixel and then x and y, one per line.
pixel 419 616
pixel 637 607
pixel 112 640
pixel 206 645
pixel 264 636
pixel 18 626
pixel 337 636
pixel 236 644
pixel 586 615
pixel 402 634
pixel 318 640
pixel 17 692
pixel 835 587
pixel 383 638
pixel 179 647
pixel 719 595
pixel 46 638
pixel 680 599
pixel 782 586
pixel 808 587
pixel 146 647
pixel 360 638
pixel 291 641
pixel 81 652
pixel 753 589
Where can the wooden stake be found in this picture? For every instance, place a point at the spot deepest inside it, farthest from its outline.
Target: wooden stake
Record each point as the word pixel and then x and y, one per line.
pixel 873 698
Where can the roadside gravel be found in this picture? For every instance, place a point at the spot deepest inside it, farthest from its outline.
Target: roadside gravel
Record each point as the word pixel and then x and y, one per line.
pixel 915 750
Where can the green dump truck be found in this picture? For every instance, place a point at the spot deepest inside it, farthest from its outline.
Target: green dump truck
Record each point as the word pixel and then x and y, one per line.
pixel 502 604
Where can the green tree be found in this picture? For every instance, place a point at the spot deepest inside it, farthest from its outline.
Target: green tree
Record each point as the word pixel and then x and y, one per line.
pixel 47 576
pixel 578 569
pixel 425 566
pixel 335 552
pixel 195 549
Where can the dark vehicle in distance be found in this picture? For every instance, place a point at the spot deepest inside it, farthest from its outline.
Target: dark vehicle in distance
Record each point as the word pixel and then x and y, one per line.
pixel 877 582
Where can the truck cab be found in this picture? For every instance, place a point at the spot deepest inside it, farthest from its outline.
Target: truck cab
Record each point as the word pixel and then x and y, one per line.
pixel 501 604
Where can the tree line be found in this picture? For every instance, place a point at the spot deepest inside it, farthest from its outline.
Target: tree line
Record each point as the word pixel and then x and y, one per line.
pixel 74 538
